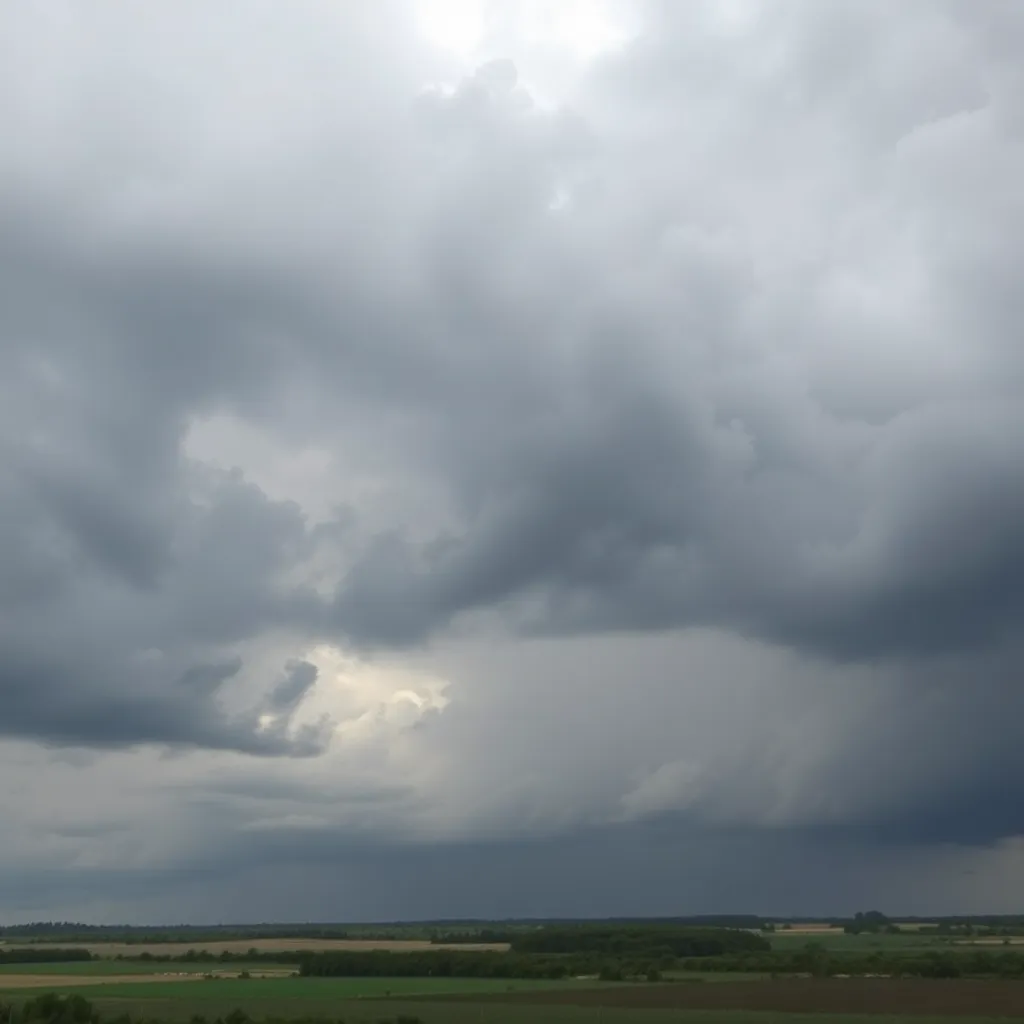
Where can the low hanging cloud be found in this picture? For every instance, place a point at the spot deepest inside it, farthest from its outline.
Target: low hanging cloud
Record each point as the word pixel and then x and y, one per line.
pixel 701 355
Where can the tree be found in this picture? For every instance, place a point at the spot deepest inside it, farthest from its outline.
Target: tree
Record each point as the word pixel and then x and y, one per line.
pixel 54 1009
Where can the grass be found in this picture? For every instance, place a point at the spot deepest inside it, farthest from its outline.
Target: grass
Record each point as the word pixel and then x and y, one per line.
pixel 839 942
pixel 437 1001
pixel 202 995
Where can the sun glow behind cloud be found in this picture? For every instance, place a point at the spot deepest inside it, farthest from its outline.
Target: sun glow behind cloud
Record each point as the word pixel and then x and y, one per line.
pixel 453 25
pixel 584 28
pixel 477 29
pixel 365 698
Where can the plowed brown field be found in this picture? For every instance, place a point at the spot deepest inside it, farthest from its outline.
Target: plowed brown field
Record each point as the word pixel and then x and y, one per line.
pixel 954 997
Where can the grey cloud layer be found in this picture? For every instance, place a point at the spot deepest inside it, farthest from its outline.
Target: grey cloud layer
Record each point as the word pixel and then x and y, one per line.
pixel 779 398
pixel 731 342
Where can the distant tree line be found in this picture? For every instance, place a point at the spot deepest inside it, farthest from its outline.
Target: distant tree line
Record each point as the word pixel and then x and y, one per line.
pixel 873 922
pixel 67 931
pixel 659 939
pixel 71 933
pixel 470 964
pixel 40 955
pixel 608 951
pixel 816 961
pixel 204 956
pixel 482 936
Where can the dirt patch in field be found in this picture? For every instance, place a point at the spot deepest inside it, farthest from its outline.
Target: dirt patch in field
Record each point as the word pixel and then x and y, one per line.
pixel 954 997
pixel 236 946
pixel 8 981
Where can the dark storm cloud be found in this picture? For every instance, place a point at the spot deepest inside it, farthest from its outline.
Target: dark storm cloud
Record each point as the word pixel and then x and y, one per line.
pixel 280 789
pixel 731 344
pixel 126 570
pixel 65 703
pixel 299 679
pixel 581 875
pixel 664 466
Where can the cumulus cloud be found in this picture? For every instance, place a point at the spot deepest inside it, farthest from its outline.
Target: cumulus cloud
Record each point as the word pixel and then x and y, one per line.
pixel 622 441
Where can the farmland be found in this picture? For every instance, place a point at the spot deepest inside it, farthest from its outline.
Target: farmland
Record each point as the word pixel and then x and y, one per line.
pixel 468 1001
pixel 305 998
pixel 916 997
pixel 231 992
pixel 613 972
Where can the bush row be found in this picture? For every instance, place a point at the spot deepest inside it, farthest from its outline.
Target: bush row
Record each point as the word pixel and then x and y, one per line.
pixel 39 955
pixel 469 964
pixel 55 1009
pixel 820 963
pixel 614 941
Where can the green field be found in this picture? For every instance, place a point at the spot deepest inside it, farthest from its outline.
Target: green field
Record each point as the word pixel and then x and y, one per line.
pixel 482 1001
pixel 907 942
pixel 305 995
pixel 175 991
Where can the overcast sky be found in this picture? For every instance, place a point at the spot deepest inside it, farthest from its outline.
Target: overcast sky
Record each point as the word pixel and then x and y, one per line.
pixel 551 458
